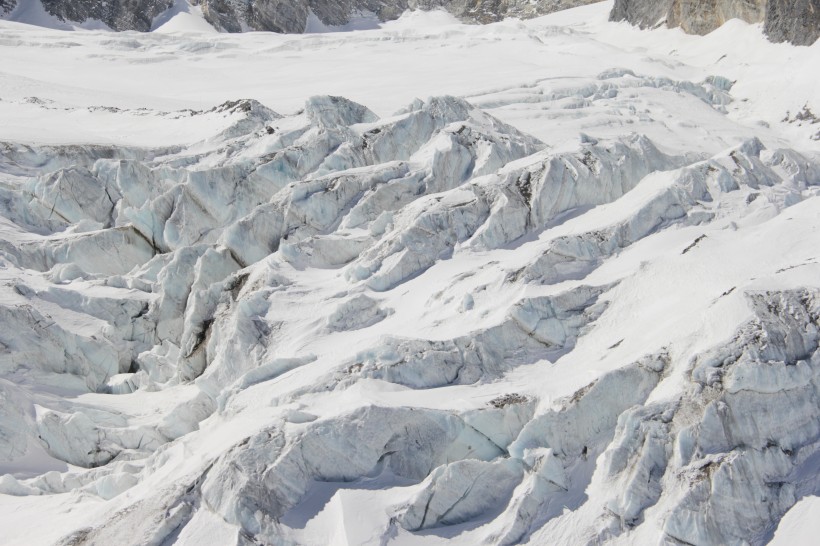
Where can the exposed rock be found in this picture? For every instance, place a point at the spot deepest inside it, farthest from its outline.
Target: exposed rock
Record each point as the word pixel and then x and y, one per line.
pixel 645 14
pixel 117 14
pixel 704 16
pixel 287 16
pixel 795 21
pixel 7 6
pixel 290 16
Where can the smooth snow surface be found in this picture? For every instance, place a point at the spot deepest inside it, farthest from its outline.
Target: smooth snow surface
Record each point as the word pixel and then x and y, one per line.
pixel 800 524
pixel 545 282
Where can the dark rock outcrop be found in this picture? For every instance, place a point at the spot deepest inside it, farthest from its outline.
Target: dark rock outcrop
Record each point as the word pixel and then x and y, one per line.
pixel 6 6
pixel 795 21
pixel 290 16
pixel 117 14
pixel 641 13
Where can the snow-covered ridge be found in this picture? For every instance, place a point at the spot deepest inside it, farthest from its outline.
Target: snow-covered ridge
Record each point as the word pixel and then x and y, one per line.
pixel 579 309
pixel 286 16
pixel 797 22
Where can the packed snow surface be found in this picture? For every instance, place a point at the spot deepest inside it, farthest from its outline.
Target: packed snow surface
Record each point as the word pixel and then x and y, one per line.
pixel 547 282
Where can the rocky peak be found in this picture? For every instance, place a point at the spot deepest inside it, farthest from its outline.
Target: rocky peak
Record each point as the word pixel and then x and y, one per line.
pixel 288 16
pixel 117 14
pixel 795 21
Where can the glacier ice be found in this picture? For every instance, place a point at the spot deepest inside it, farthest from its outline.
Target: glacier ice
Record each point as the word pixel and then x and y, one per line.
pixel 473 330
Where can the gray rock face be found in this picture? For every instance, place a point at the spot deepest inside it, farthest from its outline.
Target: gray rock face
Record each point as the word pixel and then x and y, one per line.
pixel 238 15
pixel 289 16
pixel 641 13
pixel 117 14
pixel 488 11
pixel 796 21
pixel 704 16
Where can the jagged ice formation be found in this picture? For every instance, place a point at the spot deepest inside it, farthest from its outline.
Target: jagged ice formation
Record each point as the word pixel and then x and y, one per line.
pixel 234 325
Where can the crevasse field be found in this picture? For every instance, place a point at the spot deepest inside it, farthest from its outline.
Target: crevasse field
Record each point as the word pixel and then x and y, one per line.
pixel 542 282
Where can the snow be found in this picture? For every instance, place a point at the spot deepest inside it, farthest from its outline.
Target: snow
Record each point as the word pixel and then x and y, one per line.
pixel 419 56
pixel 551 281
pixel 358 21
pixel 182 17
pixel 32 12
pixel 799 525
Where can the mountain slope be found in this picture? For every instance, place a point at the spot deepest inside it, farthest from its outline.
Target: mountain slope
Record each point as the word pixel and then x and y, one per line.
pixel 784 20
pixel 287 16
pixel 792 21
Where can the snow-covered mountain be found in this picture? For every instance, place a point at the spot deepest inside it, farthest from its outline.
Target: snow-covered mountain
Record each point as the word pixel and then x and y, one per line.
pixel 795 21
pixel 545 282
pixel 289 16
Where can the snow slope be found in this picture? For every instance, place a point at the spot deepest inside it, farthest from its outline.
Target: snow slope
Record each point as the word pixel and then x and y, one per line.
pixel 547 282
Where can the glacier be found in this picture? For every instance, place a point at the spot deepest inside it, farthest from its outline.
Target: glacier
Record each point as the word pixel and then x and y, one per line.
pixel 541 282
